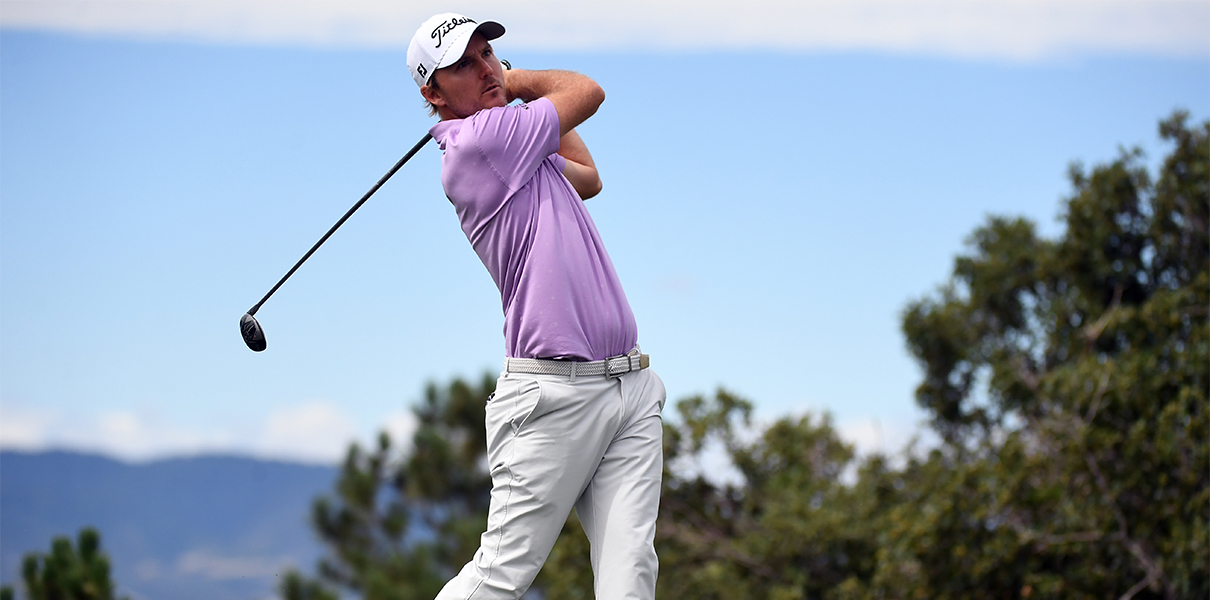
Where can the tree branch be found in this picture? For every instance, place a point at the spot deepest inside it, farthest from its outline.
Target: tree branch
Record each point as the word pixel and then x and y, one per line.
pixel 1154 573
pixel 1067 538
pixel 1138 587
pixel 702 533
pixel 1096 399
pixel 1094 331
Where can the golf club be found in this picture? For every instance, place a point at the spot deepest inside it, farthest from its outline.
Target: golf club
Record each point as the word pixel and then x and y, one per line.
pixel 249 327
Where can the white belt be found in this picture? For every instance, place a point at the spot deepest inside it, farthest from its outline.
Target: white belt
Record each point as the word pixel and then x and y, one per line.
pixel 614 366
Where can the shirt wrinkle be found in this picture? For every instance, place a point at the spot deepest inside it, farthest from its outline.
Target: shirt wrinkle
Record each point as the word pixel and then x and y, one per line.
pixel 558 288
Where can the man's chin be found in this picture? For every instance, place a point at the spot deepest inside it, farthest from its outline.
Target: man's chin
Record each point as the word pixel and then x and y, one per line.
pixel 495 100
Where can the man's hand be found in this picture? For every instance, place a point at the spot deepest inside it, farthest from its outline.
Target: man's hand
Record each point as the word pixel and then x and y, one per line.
pixel 575 96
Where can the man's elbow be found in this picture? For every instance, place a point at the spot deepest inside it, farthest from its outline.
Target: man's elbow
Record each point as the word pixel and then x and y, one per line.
pixel 598 94
pixel 592 189
pixel 593 95
pixel 589 189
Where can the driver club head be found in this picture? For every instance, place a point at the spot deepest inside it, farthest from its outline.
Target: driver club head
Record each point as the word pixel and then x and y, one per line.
pixel 254 336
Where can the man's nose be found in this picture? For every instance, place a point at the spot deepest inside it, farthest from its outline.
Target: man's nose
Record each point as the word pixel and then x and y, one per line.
pixel 484 66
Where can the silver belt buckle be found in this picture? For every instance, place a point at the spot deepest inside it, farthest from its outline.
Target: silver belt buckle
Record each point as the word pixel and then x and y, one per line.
pixel 615 364
pixel 633 361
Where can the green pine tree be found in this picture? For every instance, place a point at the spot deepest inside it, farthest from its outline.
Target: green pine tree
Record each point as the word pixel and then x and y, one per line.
pixel 68 572
pixel 1067 380
pixel 382 496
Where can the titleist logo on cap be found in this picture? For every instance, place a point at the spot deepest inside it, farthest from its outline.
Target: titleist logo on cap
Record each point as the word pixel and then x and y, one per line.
pixel 440 41
pixel 448 26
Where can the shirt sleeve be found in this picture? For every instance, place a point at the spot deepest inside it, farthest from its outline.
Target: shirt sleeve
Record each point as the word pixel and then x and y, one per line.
pixel 516 139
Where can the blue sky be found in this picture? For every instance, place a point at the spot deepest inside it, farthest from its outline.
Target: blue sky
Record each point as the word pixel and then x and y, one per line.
pixel 770 211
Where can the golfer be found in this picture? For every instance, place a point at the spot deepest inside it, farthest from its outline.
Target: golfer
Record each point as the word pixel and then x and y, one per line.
pixel 575 419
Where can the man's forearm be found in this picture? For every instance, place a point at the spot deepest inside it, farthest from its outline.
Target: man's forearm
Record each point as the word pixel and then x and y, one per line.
pixel 575 96
pixel 529 85
pixel 572 147
pixel 580 170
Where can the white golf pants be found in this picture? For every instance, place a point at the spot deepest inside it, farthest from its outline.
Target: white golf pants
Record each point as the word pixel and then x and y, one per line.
pixel 595 444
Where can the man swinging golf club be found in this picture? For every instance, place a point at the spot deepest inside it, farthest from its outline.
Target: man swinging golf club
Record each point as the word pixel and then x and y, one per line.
pixel 575 419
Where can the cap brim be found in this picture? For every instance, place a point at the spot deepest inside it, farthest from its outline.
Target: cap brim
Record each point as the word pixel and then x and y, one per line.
pixel 490 30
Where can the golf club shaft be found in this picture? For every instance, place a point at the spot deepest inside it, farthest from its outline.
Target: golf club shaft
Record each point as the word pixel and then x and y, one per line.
pixel 424 140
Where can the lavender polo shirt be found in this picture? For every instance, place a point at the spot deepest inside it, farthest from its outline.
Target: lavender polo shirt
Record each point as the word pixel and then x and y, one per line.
pixel 561 295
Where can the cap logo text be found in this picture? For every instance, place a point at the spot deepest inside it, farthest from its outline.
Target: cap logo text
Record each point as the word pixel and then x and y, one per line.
pixel 446 27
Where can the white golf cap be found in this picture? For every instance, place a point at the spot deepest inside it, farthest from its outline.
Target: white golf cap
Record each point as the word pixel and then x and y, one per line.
pixel 441 40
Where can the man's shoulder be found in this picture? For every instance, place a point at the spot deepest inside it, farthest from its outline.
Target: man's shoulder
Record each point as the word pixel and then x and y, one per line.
pixel 536 110
pixel 505 129
pixel 513 114
pixel 510 141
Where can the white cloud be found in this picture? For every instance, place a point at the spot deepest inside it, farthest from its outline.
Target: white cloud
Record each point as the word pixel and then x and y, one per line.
pixel 24 429
pixel 401 425
pixel 199 562
pixel 873 435
pixel 316 431
pixel 138 435
pixel 122 425
pixel 713 464
pixel 320 431
pixel 132 435
pixel 217 567
pixel 865 435
pixel 868 435
pixel 313 431
pixel 1012 29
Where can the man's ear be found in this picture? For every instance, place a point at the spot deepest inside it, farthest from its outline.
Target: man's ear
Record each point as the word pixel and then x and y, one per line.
pixel 432 94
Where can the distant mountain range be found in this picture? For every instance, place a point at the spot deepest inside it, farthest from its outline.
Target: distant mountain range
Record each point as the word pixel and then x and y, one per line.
pixel 202 528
